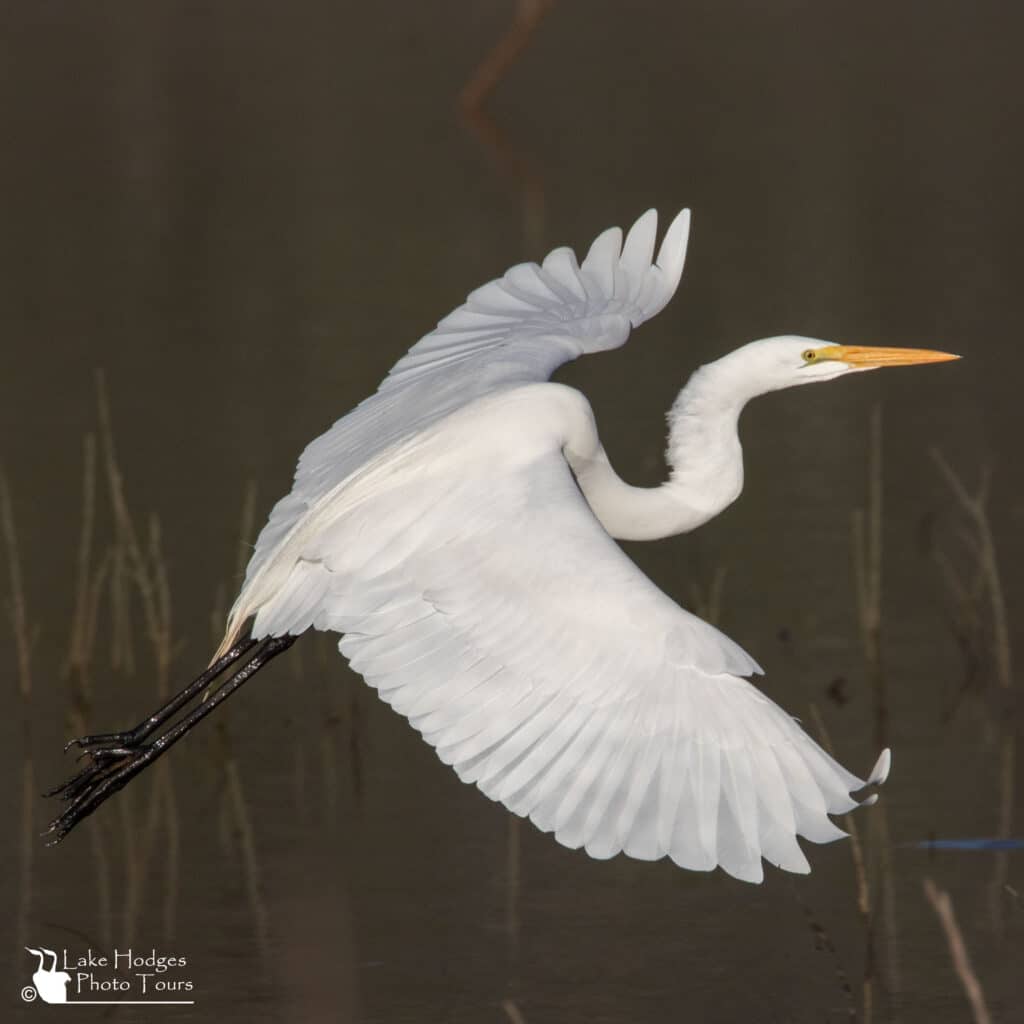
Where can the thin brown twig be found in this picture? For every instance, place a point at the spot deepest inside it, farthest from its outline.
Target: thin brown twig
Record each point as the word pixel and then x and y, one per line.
pixel 868 550
pixel 976 509
pixel 942 904
pixel 28 845
pixel 145 576
pixel 24 635
pixel 146 567
pixel 866 528
pixel 235 795
pixel 511 160
pixel 78 641
pixel 988 582
pixel 496 64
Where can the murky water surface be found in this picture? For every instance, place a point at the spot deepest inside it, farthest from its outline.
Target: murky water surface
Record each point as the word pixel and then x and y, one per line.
pixel 243 214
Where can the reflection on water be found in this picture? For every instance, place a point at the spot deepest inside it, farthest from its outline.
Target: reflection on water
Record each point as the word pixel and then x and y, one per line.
pixel 243 218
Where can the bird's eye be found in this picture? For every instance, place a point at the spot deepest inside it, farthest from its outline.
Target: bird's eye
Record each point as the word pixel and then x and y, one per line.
pixel 809 355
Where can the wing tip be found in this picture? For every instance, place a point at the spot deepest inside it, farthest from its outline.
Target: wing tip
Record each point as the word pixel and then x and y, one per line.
pixel 672 254
pixel 880 772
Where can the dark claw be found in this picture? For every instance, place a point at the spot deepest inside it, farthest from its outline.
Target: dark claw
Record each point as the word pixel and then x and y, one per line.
pixel 124 739
pixel 87 790
pixel 65 789
pixel 109 753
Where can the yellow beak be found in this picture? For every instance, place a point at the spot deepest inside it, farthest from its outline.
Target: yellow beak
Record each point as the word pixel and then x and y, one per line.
pixel 869 358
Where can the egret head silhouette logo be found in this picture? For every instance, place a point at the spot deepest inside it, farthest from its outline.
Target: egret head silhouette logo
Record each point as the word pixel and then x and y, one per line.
pixel 51 984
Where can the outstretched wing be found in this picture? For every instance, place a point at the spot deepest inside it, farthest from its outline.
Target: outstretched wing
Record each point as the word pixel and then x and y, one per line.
pixel 515 330
pixel 484 602
pixel 523 326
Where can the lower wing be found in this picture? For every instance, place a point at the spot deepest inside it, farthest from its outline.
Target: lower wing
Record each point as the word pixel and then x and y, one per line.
pixel 489 606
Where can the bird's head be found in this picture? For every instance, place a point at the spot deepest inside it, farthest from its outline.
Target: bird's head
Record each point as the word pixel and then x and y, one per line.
pixel 784 362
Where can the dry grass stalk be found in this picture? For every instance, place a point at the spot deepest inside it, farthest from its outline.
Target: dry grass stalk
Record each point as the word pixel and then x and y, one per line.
pixel 495 66
pixel 982 543
pixel 513 1012
pixel 355 740
pixel 25 636
pixel 140 844
pixel 144 566
pixel 866 527
pixel 233 819
pixel 172 862
pixel 78 641
pixel 985 582
pixel 707 602
pixel 27 852
pixel 97 845
pixel 868 550
pixel 942 904
pixel 139 561
pixel 513 868
pixel 863 887
pixel 329 774
pixel 122 646
pixel 246 530
pixel 24 641
pixel 161 633
pixel 89 585
pixel 515 164
pixel 299 801
pixel 235 800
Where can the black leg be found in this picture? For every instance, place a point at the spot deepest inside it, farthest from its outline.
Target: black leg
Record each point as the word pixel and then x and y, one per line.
pixel 118 757
pixel 148 725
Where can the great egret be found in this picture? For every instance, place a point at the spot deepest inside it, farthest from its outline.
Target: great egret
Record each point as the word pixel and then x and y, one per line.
pixel 456 528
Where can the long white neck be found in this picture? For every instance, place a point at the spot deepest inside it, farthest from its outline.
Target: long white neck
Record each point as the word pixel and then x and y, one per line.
pixel 704 456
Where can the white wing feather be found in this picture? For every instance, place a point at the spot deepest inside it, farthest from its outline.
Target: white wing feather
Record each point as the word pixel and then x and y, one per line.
pixel 480 597
pixel 515 330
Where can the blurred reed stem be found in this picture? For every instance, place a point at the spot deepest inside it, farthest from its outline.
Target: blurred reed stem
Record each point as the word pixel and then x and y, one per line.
pixel 244 836
pixel 863 887
pixel 706 603
pixel 24 640
pixel 139 564
pixel 24 636
pixel 234 822
pixel 986 581
pixel 942 904
pixel 90 581
pixel 866 529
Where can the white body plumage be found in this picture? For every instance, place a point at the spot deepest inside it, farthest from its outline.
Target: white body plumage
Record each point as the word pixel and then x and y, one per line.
pixel 457 528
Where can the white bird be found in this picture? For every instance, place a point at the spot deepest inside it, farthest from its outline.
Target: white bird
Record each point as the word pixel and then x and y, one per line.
pixel 458 529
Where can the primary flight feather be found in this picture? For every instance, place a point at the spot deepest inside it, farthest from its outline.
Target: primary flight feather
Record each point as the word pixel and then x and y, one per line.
pixel 458 529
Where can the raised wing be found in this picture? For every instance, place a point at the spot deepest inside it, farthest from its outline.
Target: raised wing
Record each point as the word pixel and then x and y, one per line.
pixel 515 330
pixel 484 602
pixel 535 318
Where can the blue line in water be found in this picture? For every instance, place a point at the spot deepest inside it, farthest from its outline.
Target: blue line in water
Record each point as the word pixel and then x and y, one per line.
pixel 969 844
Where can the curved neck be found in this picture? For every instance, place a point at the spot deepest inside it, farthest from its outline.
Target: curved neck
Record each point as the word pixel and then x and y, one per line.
pixel 704 456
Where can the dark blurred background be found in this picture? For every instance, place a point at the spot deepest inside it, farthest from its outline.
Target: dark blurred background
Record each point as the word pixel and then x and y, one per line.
pixel 222 223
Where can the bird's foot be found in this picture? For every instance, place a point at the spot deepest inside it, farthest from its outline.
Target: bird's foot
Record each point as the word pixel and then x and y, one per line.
pixel 112 763
pixel 114 758
pixel 103 740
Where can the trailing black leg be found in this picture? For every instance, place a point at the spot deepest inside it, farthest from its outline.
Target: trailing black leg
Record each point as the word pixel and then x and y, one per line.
pixel 148 725
pixel 115 758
